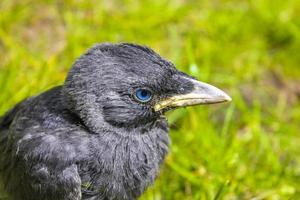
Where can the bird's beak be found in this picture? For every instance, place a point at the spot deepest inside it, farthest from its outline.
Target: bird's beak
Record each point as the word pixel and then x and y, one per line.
pixel 202 93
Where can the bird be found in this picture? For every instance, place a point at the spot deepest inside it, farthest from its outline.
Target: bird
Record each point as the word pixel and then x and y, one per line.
pixel 102 134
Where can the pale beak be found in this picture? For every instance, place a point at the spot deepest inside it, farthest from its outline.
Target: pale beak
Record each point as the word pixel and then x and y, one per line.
pixel 202 93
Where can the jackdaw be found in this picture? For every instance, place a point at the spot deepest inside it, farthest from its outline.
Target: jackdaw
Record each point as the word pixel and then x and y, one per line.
pixel 102 134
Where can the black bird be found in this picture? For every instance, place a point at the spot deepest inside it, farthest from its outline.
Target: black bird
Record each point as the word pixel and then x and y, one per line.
pixel 100 135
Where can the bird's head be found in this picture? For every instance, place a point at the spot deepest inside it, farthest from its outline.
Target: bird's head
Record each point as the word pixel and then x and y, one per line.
pixel 128 85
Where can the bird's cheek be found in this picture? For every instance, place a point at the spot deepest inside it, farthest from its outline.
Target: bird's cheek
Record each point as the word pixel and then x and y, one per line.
pixel 122 115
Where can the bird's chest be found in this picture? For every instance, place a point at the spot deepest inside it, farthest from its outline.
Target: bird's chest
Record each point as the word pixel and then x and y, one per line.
pixel 122 168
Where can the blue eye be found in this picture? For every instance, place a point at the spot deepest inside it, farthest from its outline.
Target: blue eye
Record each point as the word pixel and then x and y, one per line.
pixel 143 95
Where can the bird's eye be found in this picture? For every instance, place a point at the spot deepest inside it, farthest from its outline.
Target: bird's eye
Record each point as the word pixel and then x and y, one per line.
pixel 143 95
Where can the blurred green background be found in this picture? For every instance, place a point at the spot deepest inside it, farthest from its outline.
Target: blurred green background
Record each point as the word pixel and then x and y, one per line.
pixel 249 149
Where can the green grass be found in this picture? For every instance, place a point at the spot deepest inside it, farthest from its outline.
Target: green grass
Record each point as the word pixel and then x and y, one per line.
pixel 248 149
